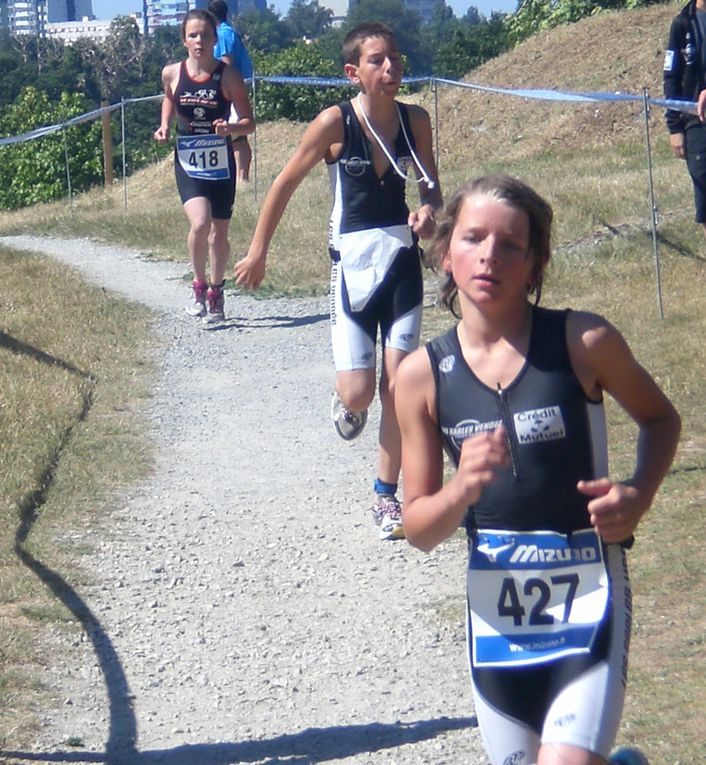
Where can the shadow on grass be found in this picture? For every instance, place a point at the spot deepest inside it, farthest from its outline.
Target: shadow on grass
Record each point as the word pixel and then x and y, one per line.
pixel 24 349
pixel 679 248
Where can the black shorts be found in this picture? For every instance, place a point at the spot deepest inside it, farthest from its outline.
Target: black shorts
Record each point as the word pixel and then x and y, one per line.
pixel 696 162
pixel 221 194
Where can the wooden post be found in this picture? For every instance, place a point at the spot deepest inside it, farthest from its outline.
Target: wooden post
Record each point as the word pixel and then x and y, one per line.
pixel 107 146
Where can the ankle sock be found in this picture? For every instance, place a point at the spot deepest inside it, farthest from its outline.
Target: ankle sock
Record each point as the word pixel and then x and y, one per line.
pixel 382 487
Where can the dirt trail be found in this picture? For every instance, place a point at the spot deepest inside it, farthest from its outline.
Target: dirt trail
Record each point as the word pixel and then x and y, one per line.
pixel 241 608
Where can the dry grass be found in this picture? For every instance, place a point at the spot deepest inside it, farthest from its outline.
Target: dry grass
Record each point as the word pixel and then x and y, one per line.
pixel 589 161
pixel 71 388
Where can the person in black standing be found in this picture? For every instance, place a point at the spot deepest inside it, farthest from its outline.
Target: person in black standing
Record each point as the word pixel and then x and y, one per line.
pixel 684 68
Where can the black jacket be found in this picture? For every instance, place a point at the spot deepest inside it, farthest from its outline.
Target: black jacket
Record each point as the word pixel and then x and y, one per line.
pixel 683 66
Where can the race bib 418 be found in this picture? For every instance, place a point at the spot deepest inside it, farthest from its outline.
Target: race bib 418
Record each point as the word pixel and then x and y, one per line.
pixel 204 157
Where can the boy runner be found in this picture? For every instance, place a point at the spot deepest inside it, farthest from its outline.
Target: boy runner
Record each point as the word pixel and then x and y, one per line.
pixel 370 144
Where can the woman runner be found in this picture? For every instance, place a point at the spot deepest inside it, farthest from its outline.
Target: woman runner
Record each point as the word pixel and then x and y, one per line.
pixel 199 92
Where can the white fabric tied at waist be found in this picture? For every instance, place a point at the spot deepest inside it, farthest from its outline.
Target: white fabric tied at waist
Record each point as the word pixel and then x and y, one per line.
pixel 366 257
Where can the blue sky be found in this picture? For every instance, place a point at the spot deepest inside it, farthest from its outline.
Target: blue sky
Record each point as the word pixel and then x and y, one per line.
pixel 106 9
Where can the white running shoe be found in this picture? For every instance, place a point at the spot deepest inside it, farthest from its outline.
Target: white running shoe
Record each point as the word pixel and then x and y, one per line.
pixel 197 304
pixel 348 424
pixel 387 514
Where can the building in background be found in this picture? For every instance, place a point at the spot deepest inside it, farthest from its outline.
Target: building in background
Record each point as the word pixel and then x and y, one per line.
pixel 4 19
pixel 26 18
pixel 68 10
pixel 159 13
pixel 30 17
pixel 95 29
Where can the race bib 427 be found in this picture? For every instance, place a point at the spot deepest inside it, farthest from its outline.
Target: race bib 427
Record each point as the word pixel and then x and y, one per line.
pixel 534 596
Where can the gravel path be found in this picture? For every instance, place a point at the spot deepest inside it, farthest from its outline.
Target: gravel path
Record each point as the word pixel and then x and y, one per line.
pixel 241 608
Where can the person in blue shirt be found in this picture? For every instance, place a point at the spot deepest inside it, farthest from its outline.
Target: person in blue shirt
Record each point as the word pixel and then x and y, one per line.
pixel 229 48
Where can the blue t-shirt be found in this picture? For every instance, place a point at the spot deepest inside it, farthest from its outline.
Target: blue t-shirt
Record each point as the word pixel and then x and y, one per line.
pixel 229 44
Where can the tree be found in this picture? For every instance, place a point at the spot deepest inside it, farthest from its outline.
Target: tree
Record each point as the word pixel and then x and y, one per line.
pixel 12 70
pixel 265 31
pixel 462 47
pixel 297 102
pixel 35 171
pixel 459 45
pixel 308 20
pixel 330 44
pixel 441 14
pixel 41 61
pixel 472 16
pixel 119 61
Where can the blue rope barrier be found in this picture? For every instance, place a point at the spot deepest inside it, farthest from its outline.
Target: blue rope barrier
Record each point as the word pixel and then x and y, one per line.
pixel 533 93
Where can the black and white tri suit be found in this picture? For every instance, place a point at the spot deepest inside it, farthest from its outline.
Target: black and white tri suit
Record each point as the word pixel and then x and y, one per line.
pixel 203 161
pixel 548 603
pixel 376 277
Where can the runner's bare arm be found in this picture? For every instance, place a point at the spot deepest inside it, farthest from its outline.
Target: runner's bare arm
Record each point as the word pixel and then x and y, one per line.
pixel 604 362
pixel 423 219
pixel 432 511
pixel 324 133
pixel 236 92
pixel 161 135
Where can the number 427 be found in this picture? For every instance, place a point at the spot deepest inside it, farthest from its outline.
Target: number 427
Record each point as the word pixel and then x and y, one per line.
pixel 509 603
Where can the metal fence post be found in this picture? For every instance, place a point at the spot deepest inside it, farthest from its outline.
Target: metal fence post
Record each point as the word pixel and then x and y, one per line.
pixel 68 170
pixel 653 206
pixel 107 144
pixel 122 140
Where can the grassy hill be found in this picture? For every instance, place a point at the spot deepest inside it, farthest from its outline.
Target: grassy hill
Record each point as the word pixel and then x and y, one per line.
pixel 611 52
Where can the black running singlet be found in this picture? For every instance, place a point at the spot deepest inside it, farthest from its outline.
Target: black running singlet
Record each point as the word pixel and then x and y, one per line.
pixel 198 104
pixel 557 435
pixel 362 200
